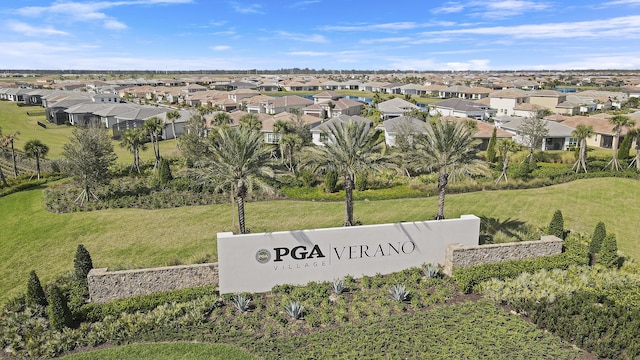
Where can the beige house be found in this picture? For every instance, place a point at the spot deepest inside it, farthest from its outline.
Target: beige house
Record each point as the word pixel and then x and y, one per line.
pixel 505 101
pixel 547 98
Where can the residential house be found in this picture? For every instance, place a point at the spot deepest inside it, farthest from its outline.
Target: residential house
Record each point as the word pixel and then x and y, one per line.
pixel 526 110
pixel 268 124
pixel 463 108
pixel 602 128
pixel 328 104
pixel 319 133
pixel 396 107
pixel 475 93
pixel 403 126
pixel 483 130
pixel 455 91
pixel 279 104
pixel 559 137
pixel 505 101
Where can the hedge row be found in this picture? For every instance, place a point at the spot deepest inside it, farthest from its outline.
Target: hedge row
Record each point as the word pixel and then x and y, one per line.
pixel 574 254
pixel 94 312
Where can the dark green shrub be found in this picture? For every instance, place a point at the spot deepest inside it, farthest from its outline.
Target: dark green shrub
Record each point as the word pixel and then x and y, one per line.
pixel 164 172
pixel 35 292
pixel 556 226
pixel 82 263
pixel 597 238
pixel 307 178
pixel 58 311
pixel 331 181
pixel 625 147
pixel 362 182
pixel 608 255
pixel 491 148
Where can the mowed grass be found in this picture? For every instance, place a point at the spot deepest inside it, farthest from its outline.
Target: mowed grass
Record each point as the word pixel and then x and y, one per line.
pixel 14 118
pixel 166 351
pixel 34 239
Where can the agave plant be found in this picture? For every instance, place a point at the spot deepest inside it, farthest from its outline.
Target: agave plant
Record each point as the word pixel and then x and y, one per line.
pixel 294 309
pixel 430 271
pixel 399 292
pixel 241 302
pixel 337 285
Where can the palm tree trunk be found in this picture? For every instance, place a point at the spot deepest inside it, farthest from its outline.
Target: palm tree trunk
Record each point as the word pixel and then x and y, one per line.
pixel 38 166
pixel 243 229
pixel 13 156
pixel 348 206
pixel 443 180
pixel 175 137
pixel 136 158
pixel 615 166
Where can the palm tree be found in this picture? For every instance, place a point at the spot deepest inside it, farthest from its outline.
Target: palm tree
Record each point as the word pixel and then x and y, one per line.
pixel 8 140
pixel 153 126
pixel 635 135
pixel 618 121
pixel 173 116
pixel 290 143
pixel 221 118
pixel 36 149
pixel 351 148
pixel 448 147
pixel 582 132
pixel 251 122
pixel 280 128
pixel 505 146
pixel 239 164
pixel 134 141
pixel 4 179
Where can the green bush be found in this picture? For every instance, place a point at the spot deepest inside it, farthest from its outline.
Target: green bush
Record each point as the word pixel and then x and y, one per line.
pixel 96 312
pixel 58 311
pixel 330 181
pixel 608 255
pixel 467 278
pixel 625 147
pixel 164 172
pixel 35 292
pixel 556 226
pixel 82 263
pixel 597 238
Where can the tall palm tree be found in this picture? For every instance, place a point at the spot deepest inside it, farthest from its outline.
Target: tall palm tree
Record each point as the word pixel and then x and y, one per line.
pixel 239 164
pixel 582 132
pixel 2 177
pixel 351 148
pixel 251 122
pixel 618 121
pixel 134 140
pixel 8 141
pixel 447 148
pixel 36 149
pixel 280 128
pixel 635 134
pixel 221 118
pixel 291 143
pixel 173 116
pixel 153 126
pixel 505 146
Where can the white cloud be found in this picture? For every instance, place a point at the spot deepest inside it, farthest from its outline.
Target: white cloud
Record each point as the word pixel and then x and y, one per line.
pixel 28 30
pixel 112 24
pixel 303 4
pixel 603 29
pixel 220 47
pixel 315 38
pixel 492 9
pixel 449 8
pixel 622 2
pixel 246 8
pixel 307 53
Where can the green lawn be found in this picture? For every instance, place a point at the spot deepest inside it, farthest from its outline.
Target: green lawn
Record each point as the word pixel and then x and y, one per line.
pixel 33 238
pixel 14 118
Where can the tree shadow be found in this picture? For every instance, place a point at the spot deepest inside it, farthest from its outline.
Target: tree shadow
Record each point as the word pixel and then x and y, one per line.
pixel 490 228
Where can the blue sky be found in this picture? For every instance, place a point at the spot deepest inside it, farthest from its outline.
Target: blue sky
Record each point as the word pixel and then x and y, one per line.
pixel 319 34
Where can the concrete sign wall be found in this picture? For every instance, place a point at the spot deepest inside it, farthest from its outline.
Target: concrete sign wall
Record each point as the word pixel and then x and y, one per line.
pixel 257 262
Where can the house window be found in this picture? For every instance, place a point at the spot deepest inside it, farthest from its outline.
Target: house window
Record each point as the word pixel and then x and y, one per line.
pixel 273 138
pixel 323 137
pixel 572 143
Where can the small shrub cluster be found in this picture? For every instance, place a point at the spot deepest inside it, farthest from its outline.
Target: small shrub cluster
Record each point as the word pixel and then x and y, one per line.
pixel 575 253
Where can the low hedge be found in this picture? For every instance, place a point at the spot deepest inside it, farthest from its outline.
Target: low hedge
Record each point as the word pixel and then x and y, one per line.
pixel 94 312
pixel 574 254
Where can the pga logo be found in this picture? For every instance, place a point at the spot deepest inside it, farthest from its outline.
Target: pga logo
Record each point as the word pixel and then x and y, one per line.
pixel 263 256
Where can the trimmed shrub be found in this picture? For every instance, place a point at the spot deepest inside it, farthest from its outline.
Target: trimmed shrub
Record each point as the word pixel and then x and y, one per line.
pixel 597 238
pixel 164 172
pixel 467 278
pixel 35 293
pixel 331 181
pixel 608 255
pixel 82 263
pixel 491 148
pixel 625 147
pixel 59 313
pixel 556 226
